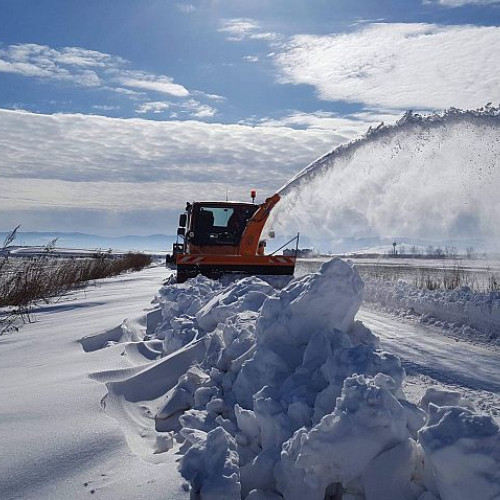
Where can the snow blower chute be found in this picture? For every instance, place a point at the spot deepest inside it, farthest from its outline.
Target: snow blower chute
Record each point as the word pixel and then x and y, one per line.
pixel 225 238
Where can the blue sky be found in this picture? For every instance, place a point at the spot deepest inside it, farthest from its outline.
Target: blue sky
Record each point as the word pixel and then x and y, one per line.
pixel 114 113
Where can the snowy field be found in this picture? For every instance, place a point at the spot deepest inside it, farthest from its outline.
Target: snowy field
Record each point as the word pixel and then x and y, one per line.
pixel 261 393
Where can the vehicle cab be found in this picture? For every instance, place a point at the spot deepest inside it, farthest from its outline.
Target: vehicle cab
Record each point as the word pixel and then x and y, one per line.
pixel 215 227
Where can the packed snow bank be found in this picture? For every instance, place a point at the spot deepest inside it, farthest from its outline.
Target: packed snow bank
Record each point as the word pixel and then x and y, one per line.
pixel 288 396
pixel 458 310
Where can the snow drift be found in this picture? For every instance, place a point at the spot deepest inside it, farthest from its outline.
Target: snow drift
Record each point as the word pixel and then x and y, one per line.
pixel 281 393
pixel 430 177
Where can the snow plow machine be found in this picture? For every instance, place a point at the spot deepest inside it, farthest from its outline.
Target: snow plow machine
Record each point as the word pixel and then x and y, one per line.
pixel 221 238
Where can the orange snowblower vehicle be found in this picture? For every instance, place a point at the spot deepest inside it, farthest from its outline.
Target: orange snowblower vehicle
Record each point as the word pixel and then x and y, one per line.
pixel 222 238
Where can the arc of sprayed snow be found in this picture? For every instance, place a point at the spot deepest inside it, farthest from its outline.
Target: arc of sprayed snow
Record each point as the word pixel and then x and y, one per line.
pixel 485 114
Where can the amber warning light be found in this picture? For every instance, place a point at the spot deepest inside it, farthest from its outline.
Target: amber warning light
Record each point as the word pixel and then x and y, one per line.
pixel 253 194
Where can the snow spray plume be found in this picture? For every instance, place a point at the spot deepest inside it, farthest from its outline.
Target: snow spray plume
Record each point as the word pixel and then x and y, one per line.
pixel 434 177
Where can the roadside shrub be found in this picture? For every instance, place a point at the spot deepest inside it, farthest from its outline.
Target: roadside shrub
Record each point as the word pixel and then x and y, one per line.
pixel 425 281
pixel 446 279
pixel 24 281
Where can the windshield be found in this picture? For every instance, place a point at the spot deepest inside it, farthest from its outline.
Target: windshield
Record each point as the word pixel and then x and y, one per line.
pixel 220 225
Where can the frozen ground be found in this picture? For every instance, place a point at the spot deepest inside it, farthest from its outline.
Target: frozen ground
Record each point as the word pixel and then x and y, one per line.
pixel 92 404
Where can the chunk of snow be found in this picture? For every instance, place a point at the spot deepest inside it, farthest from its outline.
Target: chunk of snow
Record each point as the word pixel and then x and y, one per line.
pixel 462 450
pixel 247 294
pixel 164 442
pixel 367 421
pixel 394 474
pixel 211 467
pixel 440 397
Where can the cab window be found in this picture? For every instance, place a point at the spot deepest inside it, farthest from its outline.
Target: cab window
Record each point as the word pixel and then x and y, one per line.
pixel 220 225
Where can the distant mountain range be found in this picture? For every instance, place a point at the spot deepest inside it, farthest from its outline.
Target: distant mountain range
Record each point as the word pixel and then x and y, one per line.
pixel 153 242
pixel 163 243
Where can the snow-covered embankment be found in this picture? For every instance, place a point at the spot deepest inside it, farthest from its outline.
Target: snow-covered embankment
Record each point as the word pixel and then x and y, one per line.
pixel 465 313
pixel 282 394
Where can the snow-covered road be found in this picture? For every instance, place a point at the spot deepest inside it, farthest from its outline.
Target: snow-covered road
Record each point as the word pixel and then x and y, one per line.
pixel 424 350
pixel 55 439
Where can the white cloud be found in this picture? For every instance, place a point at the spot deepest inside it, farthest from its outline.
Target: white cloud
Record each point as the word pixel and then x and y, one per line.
pixel 153 107
pixel 25 69
pixel 94 148
pixel 89 68
pixel 398 65
pixel 241 29
pixel 18 194
pixel 198 110
pixel 189 107
pixel 350 125
pixel 84 162
pixel 77 56
pixel 128 92
pixel 104 107
pixel 460 3
pixel 148 81
pixel 251 58
pixel 69 64
pixel 214 97
pixel 43 55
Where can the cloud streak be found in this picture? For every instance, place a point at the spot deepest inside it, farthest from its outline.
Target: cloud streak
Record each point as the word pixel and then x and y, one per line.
pixel 147 81
pixel 241 29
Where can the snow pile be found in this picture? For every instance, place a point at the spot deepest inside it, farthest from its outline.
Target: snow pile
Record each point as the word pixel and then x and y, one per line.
pixel 179 303
pixel 462 451
pixel 367 421
pixel 286 395
pixel 457 310
pixel 211 465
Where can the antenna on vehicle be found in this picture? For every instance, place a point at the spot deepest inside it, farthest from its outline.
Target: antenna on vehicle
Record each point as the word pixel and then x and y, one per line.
pixel 226 193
